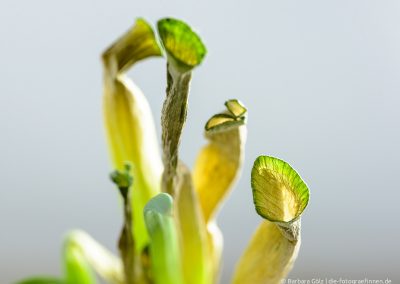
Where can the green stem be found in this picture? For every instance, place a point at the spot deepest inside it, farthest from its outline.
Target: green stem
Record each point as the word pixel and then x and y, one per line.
pixel 133 269
pixel 126 243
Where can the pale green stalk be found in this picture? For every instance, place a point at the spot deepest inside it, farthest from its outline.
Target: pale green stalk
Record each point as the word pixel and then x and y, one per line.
pixel 164 246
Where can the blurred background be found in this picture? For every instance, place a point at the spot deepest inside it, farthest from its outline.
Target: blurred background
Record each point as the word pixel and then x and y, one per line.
pixel 320 80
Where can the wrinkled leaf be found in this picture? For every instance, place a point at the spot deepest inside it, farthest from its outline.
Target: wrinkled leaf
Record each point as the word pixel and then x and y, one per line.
pixel 184 50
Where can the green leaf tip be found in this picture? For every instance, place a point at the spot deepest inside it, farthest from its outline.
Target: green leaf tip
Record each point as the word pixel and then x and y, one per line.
pixel 161 204
pixel 182 45
pixel 279 193
pixel 236 108
pixel 235 116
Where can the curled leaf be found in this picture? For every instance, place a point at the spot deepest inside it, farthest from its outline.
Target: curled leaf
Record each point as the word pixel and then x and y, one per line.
pixel 136 44
pixel 216 169
pixel 129 123
pixel 219 162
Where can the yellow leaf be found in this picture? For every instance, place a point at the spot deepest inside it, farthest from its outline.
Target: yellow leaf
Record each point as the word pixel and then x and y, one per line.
pixel 192 231
pixel 268 258
pixel 128 121
pixel 216 169
pixel 218 166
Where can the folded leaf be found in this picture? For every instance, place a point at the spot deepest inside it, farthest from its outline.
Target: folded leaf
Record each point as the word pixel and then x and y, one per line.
pixel 129 122
pixel 135 45
pixel 192 231
pixel 164 247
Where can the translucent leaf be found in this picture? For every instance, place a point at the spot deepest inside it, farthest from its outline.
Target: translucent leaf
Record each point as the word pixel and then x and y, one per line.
pixel 183 46
pixel 280 195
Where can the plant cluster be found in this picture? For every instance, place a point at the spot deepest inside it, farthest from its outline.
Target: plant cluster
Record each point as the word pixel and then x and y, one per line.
pixel 169 233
